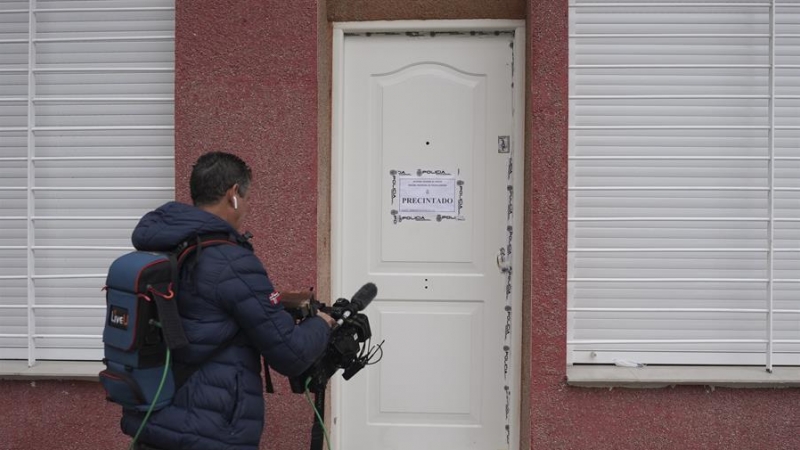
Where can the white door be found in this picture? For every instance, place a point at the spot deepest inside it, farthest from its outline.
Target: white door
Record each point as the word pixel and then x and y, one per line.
pixel 423 212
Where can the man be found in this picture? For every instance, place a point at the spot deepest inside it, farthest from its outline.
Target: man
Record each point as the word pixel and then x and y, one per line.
pixel 230 314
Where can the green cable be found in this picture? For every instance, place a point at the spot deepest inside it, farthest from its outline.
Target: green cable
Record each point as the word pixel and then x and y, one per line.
pixel 319 417
pixel 155 399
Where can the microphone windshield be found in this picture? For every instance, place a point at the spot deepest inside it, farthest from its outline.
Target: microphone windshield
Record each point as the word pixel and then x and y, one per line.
pixel 364 296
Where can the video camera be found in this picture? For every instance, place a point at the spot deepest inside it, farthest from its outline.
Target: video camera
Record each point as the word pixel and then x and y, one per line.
pixel 349 347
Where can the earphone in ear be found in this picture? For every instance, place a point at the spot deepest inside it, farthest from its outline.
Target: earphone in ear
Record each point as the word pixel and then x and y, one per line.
pixel 235 203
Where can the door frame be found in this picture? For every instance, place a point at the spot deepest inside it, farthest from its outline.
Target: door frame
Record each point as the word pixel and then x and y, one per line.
pixel 518 154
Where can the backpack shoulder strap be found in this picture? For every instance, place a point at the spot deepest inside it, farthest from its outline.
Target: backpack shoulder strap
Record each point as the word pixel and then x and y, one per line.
pixel 168 315
pixel 268 378
pixel 192 249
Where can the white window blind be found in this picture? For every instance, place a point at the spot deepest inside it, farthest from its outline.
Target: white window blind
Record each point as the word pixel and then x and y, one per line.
pixel 684 182
pixel 86 147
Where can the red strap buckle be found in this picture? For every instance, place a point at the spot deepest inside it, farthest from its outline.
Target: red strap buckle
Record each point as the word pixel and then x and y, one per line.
pixel 169 295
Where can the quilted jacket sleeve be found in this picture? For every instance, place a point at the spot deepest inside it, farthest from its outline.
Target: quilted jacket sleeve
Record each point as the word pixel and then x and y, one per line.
pixel 243 290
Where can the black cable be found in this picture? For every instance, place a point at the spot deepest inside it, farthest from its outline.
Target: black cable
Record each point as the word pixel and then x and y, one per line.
pixel 372 354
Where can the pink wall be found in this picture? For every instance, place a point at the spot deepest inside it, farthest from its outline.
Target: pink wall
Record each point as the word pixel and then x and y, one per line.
pixel 246 82
pixel 58 415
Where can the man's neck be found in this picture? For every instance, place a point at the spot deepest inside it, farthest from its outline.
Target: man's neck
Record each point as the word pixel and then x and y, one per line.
pixel 217 209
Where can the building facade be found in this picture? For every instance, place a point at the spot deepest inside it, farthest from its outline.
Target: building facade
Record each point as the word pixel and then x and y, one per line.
pixel 654 303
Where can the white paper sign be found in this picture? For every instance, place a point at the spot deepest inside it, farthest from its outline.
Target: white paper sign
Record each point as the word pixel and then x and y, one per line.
pixel 427 195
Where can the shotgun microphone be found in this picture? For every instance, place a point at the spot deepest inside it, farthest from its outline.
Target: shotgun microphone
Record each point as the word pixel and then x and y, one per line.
pixel 364 296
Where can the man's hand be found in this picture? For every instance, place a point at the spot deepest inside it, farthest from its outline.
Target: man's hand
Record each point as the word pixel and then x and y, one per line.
pixel 328 319
pixel 296 300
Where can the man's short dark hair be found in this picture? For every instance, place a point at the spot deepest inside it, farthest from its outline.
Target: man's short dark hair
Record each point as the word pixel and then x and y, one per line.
pixel 216 172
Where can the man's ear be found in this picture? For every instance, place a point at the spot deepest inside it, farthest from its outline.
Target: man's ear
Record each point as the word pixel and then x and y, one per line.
pixel 230 195
pixel 232 192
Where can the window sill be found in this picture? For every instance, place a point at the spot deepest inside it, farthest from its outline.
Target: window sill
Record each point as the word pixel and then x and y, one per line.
pixel 662 376
pixel 51 370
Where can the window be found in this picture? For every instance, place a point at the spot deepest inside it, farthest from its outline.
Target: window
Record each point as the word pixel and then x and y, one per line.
pixel 86 147
pixel 684 202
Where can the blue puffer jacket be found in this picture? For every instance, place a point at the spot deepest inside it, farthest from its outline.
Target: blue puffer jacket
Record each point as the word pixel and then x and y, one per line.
pixel 226 290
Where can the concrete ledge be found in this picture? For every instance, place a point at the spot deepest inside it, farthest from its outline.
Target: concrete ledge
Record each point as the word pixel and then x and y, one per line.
pixel 663 376
pixel 51 370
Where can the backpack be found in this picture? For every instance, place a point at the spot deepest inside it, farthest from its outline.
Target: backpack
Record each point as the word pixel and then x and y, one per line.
pixel 143 326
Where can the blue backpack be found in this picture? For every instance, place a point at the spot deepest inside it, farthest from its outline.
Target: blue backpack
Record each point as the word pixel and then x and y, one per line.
pixel 143 326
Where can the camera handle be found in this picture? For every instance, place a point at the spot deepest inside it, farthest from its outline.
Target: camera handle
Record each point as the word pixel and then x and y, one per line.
pixel 317 433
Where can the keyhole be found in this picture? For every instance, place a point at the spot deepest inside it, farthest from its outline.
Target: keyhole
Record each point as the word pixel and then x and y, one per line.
pixel 427 142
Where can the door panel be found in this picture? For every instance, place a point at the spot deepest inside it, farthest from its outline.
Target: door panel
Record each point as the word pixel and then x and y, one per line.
pixel 448 378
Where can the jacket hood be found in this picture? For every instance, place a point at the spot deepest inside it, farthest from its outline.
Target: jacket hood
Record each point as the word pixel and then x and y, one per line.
pixel 173 223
